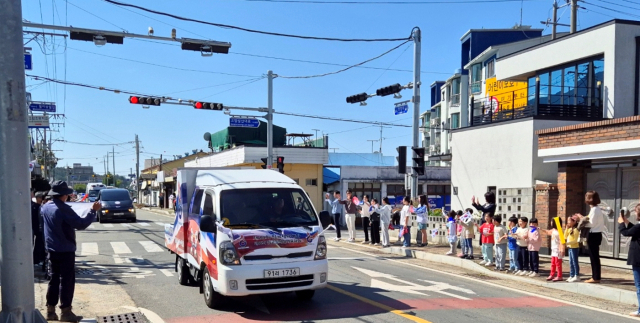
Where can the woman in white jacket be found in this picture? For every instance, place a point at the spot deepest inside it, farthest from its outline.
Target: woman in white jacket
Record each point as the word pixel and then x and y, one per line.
pixel 385 220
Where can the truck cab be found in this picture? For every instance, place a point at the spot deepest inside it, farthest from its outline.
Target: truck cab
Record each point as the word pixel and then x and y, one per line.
pixel 240 232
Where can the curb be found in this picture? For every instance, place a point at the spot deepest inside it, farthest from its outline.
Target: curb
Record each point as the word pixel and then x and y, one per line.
pixel 165 213
pixel 597 291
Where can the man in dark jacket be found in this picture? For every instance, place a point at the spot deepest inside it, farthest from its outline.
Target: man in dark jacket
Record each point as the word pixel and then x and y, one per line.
pixel 628 229
pixel 37 229
pixel 60 223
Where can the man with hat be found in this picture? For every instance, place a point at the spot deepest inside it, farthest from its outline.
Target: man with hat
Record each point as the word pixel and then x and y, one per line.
pixel 60 223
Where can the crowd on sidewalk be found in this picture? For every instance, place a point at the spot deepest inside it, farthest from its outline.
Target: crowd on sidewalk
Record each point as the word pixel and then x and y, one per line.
pixel 519 242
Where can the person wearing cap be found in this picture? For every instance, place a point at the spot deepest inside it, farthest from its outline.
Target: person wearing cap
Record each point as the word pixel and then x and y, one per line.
pixel 60 223
pixel 36 228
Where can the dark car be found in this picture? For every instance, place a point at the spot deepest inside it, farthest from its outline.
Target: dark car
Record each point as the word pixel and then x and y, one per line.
pixel 116 204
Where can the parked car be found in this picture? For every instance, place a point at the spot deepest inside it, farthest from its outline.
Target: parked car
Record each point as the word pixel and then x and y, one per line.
pixel 116 204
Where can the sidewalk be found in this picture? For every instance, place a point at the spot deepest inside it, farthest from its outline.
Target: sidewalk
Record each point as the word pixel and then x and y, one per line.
pixel 158 210
pixel 617 283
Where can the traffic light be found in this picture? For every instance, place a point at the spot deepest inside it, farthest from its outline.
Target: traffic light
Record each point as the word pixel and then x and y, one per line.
pixel 208 106
pixel 388 90
pixel 280 160
pixel 402 159
pixel 357 98
pixel 418 160
pixel 144 100
pixel 265 161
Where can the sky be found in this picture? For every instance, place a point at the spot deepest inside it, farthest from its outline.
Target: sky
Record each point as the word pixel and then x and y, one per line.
pixel 99 121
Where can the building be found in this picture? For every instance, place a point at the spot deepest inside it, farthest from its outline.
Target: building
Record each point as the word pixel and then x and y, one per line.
pixel 430 121
pixel 79 174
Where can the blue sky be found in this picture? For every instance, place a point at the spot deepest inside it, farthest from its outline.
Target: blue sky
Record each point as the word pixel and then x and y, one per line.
pixel 101 117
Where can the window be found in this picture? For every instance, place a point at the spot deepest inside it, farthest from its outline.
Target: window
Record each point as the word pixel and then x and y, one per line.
pixel 297 180
pixel 197 200
pixel 582 84
pixel 266 206
pixel 455 120
pixel 207 209
pixel 396 190
pixel 531 92
pixel 438 190
pixel 372 190
pixel 312 182
pixel 556 87
pixel 569 86
pixel 455 92
pixel 491 68
pixel 476 78
pixel 598 80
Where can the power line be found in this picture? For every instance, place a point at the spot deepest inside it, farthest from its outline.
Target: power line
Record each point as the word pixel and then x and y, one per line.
pixel 105 20
pixel 94 144
pixel 610 9
pixel 387 2
pixel 235 87
pixel 346 68
pixel 341 119
pixel 621 5
pixel 253 30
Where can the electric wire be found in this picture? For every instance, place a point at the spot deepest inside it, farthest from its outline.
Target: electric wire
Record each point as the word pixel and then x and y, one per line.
pixel 611 9
pixel 618 4
pixel 94 144
pixel 253 30
pixel 387 2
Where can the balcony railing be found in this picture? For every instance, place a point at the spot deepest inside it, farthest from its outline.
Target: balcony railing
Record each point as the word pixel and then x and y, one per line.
pixel 455 99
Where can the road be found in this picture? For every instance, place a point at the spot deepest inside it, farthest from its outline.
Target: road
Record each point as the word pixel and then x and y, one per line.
pixel 363 287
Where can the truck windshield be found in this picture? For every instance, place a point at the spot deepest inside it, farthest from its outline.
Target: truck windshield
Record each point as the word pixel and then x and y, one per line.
pixel 93 193
pixel 276 207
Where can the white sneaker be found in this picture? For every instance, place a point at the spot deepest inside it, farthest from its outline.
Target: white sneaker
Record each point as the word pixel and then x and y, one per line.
pixel 517 272
pixel 635 314
pixel 534 275
pixel 365 242
pixel 488 264
pixel 522 273
pixel 483 262
pixel 336 239
pixel 449 253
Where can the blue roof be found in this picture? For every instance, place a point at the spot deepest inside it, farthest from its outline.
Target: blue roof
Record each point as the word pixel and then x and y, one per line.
pixel 358 159
pixel 329 176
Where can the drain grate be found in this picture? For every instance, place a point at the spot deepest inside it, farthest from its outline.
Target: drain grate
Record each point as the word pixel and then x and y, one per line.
pixel 84 271
pixel 135 317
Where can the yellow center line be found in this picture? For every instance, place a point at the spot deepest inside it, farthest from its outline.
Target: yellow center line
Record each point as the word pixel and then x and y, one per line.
pixel 378 305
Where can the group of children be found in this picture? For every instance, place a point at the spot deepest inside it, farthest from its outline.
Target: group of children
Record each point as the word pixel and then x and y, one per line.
pixel 522 239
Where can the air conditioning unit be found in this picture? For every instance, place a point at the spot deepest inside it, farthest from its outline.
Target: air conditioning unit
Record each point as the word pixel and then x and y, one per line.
pixel 435 122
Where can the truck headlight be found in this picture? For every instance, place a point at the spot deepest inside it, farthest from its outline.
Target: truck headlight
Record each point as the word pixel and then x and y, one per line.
pixel 321 249
pixel 132 210
pixel 228 254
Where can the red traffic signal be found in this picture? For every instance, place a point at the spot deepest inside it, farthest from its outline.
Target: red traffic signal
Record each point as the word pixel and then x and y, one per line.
pixel 144 100
pixel 280 164
pixel 208 106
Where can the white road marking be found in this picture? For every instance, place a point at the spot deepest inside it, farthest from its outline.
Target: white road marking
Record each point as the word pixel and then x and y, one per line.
pixel 91 227
pixel 117 259
pixel 166 272
pixel 160 224
pixel 108 225
pixel 126 225
pixel 89 249
pixel 149 315
pixel 144 224
pixel 151 246
pixel 120 247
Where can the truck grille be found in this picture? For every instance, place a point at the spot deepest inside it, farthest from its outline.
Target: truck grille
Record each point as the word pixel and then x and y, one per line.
pixel 278 283
pixel 269 257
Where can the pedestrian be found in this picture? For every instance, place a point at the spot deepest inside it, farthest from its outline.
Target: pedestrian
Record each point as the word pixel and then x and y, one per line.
pixel 60 223
pixel 335 210
pixel 365 214
pixel 326 205
pixel 488 207
pixel 501 240
pixel 595 227
pixel 486 231
pixel 375 222
pixel 628 229
pixel 37 235
pixel 161 200
pixel 468 233
pixel 405 218
pixel 523 253
pixel 534 242
pixel 513 245
pixel 422 218
pixel 557 252
pixel 172 201
pixel 573 247
pixel 385 221
pixel 350 209
pixel 452 234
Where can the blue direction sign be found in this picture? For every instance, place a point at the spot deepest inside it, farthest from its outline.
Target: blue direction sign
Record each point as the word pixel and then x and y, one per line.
pixel 27 62
pixel 42 107
pixel 244 122
pixel 402 108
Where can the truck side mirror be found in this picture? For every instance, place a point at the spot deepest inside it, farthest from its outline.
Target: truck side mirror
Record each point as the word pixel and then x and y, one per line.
pixel 207 224
pixel 325 219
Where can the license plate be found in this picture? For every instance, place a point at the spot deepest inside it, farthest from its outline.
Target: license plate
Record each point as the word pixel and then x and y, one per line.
pixel 121 213
pixel 275 273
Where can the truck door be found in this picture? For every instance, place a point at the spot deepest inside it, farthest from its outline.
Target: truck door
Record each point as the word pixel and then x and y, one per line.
pixel 192 228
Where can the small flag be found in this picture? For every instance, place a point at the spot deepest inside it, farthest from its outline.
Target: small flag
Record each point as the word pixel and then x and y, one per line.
pixel 562 240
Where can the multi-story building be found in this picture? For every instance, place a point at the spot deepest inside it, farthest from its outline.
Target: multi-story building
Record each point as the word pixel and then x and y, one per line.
pixel 79 174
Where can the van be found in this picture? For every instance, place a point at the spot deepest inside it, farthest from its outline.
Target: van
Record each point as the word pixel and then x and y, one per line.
pixel 240 232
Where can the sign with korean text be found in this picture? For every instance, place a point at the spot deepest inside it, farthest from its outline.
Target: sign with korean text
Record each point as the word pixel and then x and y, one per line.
pixel 244 122
pixel 42 106
pixel 37 122
pixel 28 63
pixel 506 95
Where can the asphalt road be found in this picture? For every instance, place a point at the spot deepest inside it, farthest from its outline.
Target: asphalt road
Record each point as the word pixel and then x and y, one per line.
pixel 363 287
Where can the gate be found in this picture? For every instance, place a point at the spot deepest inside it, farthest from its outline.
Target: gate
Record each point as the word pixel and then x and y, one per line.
pixel 618 187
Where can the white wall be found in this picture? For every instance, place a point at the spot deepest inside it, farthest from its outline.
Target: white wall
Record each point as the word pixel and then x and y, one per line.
pixel 547 172
pixel 248 155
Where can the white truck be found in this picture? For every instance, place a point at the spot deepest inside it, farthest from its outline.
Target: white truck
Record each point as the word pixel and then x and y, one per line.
pixel 241 232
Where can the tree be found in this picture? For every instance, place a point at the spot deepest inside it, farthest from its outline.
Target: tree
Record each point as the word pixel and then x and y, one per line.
pixel 118 183
pixel 80 188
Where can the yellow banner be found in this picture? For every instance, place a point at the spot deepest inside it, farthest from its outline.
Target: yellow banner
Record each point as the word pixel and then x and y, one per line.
pixel 506 95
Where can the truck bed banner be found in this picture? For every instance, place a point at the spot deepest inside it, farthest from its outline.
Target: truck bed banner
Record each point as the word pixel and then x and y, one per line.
pixel 247 242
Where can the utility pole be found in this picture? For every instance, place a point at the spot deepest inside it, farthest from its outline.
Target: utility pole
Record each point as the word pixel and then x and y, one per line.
pixel 106 172
pixel 417 52
pixel 269 116
pixel 137 168
pixel 113 155
pixel 44 148
pixel 372 141
pixel 574 15
pixel 554 23
pixel 555 19
pixel 16 259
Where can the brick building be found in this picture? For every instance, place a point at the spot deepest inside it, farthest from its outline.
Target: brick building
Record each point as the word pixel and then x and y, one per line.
pixel 603 156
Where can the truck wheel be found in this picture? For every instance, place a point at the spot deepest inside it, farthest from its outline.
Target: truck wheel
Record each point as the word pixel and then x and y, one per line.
pixel 211 298
pixel 184 277
pixel 305 295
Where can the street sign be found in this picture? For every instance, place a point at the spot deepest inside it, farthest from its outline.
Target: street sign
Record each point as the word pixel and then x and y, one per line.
pixel 402 107
pixel 244 122
pixel 38 122
pixel 43 106
pixel 27 62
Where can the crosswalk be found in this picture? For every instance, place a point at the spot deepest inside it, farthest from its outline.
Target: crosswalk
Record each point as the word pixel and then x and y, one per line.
pixel 119 248
pixel 125 226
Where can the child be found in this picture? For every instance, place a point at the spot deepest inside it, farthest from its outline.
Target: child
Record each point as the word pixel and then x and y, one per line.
pixel 453 232
pixel 513 245
pixel 573 234
pixel 468 233
pixel 486 230
pixel 533 245
pixel 500 237
pixel 523 253
pixel 557 252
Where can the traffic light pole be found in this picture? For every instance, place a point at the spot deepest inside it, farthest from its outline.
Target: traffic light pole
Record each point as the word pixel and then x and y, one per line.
pixel 417 51
pixel 269 118
pixel 16 259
